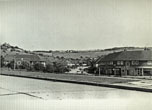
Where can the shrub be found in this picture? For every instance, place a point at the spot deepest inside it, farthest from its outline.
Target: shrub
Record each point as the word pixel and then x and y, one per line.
pixel 56 68
pixel 60 68
pixel 92 70
pixel 49 68
pixel 25 65
pixel 39 67
pixel 11 65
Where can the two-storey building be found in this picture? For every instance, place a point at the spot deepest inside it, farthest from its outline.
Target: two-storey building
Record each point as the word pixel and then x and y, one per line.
pixel 127 63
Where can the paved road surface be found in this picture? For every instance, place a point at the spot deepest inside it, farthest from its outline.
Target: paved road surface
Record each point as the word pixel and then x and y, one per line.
pixel 22 94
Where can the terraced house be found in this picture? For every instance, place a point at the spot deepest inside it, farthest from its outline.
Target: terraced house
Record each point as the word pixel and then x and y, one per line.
pixel 127 63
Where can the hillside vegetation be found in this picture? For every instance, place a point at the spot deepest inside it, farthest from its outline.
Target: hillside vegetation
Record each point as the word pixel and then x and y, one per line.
pixel 9 49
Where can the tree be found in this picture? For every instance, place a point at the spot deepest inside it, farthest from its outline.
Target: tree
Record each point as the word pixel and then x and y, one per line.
pixel 50 68
pixel 92 67
pixel 39 67
pixel 62 57
pixel 25 65
pixel 12 49
pixel 50 51
pixel 11 64
pixel 60 67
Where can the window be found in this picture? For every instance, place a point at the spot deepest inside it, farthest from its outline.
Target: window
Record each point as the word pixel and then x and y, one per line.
pixel 149 62
pixel 135 62
pixel 110 63
pixel 123 70
pixel 120 63
pixel 138 70
pixel 127 63
pixel 102 63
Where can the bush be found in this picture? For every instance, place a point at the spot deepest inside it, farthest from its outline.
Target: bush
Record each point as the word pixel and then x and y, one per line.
pixel 49 68
pixel 24 65
pixel 92 70
pixel 56 68
pixel 11 65
pixel 39 67
pixel 60 68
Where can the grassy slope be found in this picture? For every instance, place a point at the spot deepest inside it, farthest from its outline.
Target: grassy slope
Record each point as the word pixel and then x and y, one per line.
pixel 92 54
pixel 80 54
pixel 74 55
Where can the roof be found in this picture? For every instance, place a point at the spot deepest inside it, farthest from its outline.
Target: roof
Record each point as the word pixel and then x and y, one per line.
pixel 9 57
pixel 28 57
pixel 143 55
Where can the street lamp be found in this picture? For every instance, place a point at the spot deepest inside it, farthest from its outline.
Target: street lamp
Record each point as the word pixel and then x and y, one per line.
pixel 97 65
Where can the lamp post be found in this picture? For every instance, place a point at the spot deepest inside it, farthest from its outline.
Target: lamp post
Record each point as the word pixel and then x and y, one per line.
pixel 97 65
pixel 22 61
pixel 14 63
pixel 99 71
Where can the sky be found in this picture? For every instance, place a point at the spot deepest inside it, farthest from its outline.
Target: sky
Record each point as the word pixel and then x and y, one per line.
pixel 75 24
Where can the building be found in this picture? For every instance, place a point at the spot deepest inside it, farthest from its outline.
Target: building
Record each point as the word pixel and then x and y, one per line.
pixel 126 63
pixel 31 59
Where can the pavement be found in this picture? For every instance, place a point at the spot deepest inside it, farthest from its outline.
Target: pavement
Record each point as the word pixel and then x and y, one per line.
pixel 19 93
pixel 128 83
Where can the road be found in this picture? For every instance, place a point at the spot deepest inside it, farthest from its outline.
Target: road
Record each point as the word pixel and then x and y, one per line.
pixel 23 93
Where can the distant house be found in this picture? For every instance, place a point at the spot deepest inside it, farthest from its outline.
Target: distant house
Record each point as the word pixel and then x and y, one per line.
pixel 19 58
pixel 70 63
pixel 126 63
pixel 9 58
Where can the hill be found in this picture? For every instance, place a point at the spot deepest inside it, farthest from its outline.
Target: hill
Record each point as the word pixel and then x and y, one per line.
pixel 92 53
pixel 72 54
pixel 7 49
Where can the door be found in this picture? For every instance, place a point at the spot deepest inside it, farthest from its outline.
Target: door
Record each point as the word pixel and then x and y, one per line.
pixel 128 72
